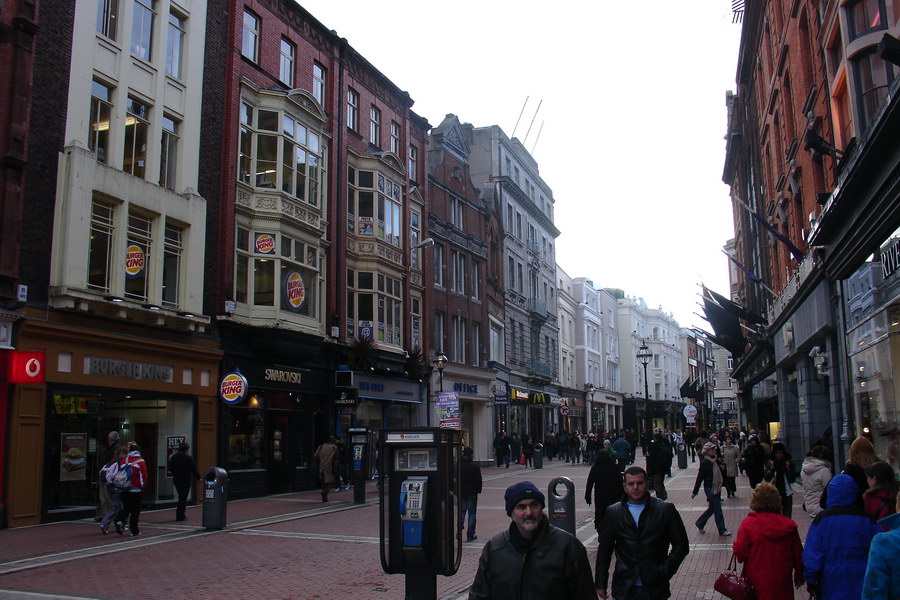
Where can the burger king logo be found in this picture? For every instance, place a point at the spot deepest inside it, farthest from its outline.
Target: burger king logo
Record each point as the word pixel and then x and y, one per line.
pixel 265 244
pixel 233 388
pixel 294 290
pixel 134 260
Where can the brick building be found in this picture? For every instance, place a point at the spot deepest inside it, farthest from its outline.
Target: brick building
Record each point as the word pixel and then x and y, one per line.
pixel 805 126
pixel 316 167
pixel 463 223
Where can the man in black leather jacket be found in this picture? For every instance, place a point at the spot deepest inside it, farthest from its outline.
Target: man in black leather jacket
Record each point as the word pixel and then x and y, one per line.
pixel 532 560
pixel 641 530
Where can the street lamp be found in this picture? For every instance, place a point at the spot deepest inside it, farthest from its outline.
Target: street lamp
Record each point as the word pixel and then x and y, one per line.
pixel 439 362
pixel 644 357
pixel 591 390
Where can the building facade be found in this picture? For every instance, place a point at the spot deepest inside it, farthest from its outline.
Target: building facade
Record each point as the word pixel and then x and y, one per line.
pixel 114 305
pixel 529 262
pixel 807 132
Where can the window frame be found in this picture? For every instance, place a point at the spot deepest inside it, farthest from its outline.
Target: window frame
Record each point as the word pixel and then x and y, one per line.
pixel 96 132
pixel 168 153
pixel 141 125
pixel 108 18
pixel 250 36
pixel 850 9
pixel 175 44
pixel 286 61
pixel 102 227
pixel 375 126
pixel 146 11
pixel 395 137
pixel 412 162
pixel 319 82
pixel 353 109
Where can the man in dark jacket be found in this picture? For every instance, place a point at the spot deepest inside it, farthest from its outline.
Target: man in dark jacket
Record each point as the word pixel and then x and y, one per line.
pixel 659 464
pixel 532 560
pixel 470 487
pixel 641 530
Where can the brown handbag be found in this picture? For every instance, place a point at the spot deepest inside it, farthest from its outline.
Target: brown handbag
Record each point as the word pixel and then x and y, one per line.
pixel 732 585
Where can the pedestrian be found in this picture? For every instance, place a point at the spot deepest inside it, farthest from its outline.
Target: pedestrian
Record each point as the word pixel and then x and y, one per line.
pixel 731 454
pixel 327 455
pixel 527 450
pixel 881 497
pixel 623 451
pixel 816 475
pixel 882 580
pixel 659 464
pixel 710 476
pixel 107 473
pixel 604 485
pixel 341 476
pixel 532 560
pixel 470 486
pixel 131 493
pixel 501 448
pixel 183 471
pixel 515 449
pixel 769 545
pixel 649 541
pixel 837 544
pixel 754 461
pixel 109 454
pixel 780 471
pixel 575 447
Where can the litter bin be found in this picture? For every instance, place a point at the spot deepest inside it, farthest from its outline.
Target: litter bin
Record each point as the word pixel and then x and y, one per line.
pixel 682 455
pixel 215 498
pixel 537 456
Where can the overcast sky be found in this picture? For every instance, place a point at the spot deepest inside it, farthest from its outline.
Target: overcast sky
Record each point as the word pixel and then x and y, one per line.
pixel 632 118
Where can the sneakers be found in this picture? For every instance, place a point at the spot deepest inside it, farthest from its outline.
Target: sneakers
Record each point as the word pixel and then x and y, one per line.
pixel 700 529
pixel 120 527
pixel 133 534
pixel 103 529
pixel 725 533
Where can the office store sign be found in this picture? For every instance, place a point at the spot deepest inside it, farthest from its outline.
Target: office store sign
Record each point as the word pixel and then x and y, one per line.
pixel 233 388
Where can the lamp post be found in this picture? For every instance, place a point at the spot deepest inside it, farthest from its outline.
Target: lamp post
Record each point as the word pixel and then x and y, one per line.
pixel 644 357
pixel 439 362
pixel 591 390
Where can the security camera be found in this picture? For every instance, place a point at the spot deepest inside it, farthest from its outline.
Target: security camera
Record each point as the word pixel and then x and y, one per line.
pixel 814 352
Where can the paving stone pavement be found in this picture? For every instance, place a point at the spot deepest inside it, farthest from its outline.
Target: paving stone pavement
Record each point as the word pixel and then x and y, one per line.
pixel 294 547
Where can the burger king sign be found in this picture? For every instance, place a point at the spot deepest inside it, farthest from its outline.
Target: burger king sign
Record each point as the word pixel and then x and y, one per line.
pixel 294 290
pixel 265 244
pixel 134 260
pixel 233 388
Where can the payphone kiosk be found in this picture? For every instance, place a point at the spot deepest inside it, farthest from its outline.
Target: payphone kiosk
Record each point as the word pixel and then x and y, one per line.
pixel 362 460
pixel 419 506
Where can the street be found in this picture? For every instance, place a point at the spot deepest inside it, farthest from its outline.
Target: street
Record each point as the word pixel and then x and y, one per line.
pixel 292 546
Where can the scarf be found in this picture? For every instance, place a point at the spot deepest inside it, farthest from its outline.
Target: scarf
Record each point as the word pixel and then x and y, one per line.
pixel 717 474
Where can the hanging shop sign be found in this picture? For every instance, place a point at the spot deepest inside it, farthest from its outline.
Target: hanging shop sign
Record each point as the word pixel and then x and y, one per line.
pixel 233 388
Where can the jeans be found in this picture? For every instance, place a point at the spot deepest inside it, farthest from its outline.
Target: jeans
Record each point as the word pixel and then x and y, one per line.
pixel 469 505
pixel 714 509
pixel 131 510
pixel 115 505
pixel 182 488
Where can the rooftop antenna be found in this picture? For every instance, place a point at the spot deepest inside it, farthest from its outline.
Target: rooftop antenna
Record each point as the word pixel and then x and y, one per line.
pixel 521 112
pixel 532 121
pixel 537 138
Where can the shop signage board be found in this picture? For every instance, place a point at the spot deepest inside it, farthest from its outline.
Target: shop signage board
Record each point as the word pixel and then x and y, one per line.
pixel 233 388
pixel 26 367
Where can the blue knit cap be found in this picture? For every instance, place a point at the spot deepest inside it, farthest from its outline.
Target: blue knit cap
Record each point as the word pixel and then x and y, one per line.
pixel 521 491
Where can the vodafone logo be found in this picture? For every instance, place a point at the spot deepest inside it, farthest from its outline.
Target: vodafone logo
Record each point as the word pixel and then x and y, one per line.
pixel 32 367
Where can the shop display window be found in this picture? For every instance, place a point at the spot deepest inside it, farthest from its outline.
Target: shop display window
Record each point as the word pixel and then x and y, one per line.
pixel 78 425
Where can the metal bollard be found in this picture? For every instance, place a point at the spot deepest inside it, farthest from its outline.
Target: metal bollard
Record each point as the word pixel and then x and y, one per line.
pixel 561 507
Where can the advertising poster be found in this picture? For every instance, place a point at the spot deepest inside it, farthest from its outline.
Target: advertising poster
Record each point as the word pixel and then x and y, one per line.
pixel 172 443
pixel 446 405
pixel 73 456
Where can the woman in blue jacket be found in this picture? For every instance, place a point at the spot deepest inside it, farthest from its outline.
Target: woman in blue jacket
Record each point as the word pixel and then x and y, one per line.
pixel 883 573
pixel 837 545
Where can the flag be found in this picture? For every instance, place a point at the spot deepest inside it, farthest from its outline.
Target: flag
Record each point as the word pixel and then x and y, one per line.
pixel 735 308
pixel 753 276
pixel 798 256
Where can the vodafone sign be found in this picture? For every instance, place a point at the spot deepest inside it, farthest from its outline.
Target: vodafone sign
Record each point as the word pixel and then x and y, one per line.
pixel 26 367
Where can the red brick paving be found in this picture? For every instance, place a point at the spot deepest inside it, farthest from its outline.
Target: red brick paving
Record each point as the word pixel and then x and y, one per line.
pixel 285 547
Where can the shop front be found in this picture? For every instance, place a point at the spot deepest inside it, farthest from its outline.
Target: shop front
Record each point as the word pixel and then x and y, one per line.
pixel 475 412
pixel 271 429
pixel 154 392
pixel 380 402
pixel 572 414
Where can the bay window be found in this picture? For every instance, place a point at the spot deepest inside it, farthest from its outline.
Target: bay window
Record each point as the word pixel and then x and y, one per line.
pixel 374 210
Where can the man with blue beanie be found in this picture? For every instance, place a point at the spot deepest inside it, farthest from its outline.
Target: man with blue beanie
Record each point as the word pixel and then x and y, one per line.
pixel 532 560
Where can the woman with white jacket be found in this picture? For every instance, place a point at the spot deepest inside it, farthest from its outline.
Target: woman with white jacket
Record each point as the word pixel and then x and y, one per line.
pixel 816 473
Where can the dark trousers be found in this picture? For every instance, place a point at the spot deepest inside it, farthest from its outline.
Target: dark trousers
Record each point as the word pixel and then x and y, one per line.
pixel 182 487
pixel 131 510
pixel 787 505
pixel 659 485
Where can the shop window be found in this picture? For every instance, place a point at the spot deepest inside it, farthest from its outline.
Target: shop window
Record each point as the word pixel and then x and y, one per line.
pixel 100 250
pixel 245 433
pixel 138 254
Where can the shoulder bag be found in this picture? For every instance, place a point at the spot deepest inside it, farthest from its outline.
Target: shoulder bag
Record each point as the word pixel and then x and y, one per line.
pixel 732 585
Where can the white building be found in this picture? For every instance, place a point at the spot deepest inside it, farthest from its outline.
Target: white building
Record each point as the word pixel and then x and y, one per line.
pixel 639 325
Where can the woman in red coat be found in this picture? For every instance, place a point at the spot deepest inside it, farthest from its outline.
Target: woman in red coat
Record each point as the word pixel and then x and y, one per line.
pixel 769 545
